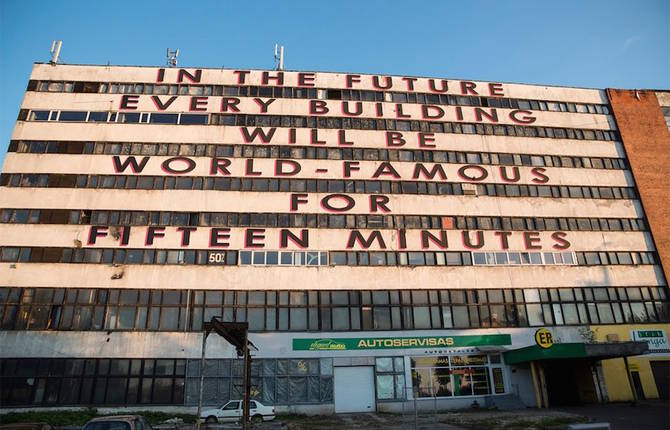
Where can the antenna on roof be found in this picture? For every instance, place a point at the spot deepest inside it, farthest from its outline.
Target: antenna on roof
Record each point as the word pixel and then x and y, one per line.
pixel 172 57
pixel 55 50
pixel 279 58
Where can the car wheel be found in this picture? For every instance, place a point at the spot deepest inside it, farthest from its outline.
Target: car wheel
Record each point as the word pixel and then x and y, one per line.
pixel 256 419
pixel 211 420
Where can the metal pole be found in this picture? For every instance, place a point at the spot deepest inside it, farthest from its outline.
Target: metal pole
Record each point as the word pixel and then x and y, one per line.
pixel 543 385
pixel 536 385
pixel 202 379
pixel 596 381
pixel 630 380
pixel 247 377
pixel 416 414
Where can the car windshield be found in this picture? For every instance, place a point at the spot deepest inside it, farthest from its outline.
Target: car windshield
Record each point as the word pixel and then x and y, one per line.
pixel 107 425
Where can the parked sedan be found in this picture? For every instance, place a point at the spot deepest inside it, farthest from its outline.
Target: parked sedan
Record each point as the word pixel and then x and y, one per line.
pixel 232 411
pixel 118 422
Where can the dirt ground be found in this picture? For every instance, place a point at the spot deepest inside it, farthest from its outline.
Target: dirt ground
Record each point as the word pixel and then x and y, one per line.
pixel 648 415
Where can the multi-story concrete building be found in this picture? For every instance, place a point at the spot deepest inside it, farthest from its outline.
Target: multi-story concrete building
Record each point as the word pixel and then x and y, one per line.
pixel 386 238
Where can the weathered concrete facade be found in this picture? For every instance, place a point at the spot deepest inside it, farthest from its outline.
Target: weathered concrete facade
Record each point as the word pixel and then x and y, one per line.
pixel 403 232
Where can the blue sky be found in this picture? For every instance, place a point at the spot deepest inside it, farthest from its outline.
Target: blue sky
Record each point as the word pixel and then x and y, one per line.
pixel 613 43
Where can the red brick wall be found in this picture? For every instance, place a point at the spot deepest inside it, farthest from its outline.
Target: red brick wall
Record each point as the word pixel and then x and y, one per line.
pixel 646 140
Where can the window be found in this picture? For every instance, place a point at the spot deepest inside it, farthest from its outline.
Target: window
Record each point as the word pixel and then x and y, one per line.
pixel 193 119
pixel 98 116
pixel 390 378
pixel 449 376
pixel 163 118
pixel 129 117
pixel 72 116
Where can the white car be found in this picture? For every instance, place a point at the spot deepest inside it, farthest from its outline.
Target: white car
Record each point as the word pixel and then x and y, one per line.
pixel 232 411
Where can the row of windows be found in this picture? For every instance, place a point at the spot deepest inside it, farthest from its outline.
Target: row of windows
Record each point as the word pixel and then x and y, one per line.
pixel 74 381
pixel 146 182
pixel 314 93
pixel 413 125
pixel 162 256
pixel 254 298
pixel 317 258
pixel 273 381
pixel 223 219
pixel 372 258
pixel 130 117
pixel 515 258
pixel 91 381
pixel 102 309
pixel 275 151
pixel 319 122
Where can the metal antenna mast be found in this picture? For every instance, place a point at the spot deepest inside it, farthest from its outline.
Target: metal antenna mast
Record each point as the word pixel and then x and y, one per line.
pixel 55 50
pixel 172 57
pixel 279 57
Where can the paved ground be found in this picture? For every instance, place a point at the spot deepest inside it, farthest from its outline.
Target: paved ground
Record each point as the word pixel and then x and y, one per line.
pixel 388 421
pixel 646 415
pixel 349 421
pixel 649 415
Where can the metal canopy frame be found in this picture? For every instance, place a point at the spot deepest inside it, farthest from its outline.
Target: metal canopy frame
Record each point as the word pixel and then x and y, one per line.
pixel 237 334
pixel 592 351
pixel 589 352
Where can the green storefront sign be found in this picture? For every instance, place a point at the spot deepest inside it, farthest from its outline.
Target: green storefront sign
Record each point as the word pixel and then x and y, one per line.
pixel 357 343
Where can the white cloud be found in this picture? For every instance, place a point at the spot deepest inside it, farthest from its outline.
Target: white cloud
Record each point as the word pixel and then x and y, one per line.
pixel 631 41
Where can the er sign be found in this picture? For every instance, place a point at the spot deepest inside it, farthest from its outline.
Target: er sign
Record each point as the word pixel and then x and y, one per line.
pixel 544 338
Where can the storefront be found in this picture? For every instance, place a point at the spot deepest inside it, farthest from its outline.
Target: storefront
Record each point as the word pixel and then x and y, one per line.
pixel 460 368
pixel 650 372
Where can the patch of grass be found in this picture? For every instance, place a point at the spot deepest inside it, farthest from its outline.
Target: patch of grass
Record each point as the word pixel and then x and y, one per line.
pixel 309 422
pixel 551 422
pixel 308 419
pixel 79 417
pixel 520 424
pixel 76 417
pixel 486 423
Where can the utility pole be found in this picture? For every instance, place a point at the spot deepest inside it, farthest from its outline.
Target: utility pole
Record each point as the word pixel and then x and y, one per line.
pixel 202 379
pixel 247 382
pixel 237 334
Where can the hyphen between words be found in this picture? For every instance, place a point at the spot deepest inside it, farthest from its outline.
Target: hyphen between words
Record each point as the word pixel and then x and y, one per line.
pixel 283 168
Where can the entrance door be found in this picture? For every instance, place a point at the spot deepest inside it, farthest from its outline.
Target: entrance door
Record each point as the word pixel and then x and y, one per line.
pixel 569 382
pixel 661 371
pixel 354 389
pixel 637 384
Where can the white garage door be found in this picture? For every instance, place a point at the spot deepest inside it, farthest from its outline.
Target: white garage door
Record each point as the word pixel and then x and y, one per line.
pixel 354 389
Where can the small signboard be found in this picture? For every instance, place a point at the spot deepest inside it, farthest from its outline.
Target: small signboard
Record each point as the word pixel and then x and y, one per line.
pixel 216 257
pixel 347 344
pixel 544 338
pixel 657 339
